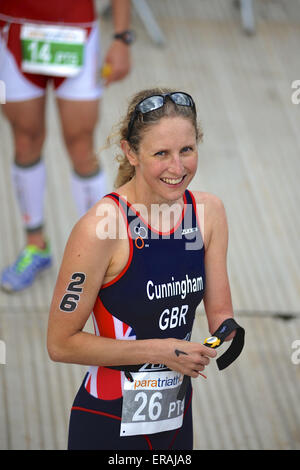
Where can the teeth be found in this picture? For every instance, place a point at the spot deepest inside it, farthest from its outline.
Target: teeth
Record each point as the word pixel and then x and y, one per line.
pixel 172 181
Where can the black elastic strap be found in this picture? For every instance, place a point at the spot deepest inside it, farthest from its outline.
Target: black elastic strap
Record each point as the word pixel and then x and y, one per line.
pixel 131 368
pixel 182 391
pixel 127 370
pixel 237 343
pixel 230 355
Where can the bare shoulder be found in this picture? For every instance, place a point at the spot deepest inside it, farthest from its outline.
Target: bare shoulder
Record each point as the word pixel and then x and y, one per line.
pixel 210 200
pixel 212 211
pixel 213 206
pixel 98 228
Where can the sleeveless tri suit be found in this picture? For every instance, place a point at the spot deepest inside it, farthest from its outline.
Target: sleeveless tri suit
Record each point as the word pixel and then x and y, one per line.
pixel 155 296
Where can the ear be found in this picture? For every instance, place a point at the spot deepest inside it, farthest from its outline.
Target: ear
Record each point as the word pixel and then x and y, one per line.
pixel 129 153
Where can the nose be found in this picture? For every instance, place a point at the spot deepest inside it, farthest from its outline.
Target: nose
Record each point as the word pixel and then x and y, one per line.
pixel 176 165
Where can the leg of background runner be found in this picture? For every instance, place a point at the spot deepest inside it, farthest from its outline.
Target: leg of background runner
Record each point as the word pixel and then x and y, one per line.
pixel 79 119
pixel 27 119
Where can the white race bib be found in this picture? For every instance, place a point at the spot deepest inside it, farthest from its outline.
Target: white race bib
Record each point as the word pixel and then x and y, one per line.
pixel 52 50
pixel 150 403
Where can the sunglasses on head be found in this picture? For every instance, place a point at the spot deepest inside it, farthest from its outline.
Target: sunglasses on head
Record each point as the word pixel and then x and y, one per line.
pixel 156 102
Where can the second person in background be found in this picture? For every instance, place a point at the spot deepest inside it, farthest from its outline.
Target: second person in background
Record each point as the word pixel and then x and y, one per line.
pixel 28 68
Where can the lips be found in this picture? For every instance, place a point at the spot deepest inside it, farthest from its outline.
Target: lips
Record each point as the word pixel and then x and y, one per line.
pixel 173 181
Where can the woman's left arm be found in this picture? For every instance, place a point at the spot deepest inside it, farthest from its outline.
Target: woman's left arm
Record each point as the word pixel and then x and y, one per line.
pixel 217 296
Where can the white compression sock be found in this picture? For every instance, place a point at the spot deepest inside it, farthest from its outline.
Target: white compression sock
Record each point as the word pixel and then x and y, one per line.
pixel 87 190
pixel 29 184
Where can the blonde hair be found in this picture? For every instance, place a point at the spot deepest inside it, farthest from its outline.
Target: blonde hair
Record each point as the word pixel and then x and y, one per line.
pixel 142 122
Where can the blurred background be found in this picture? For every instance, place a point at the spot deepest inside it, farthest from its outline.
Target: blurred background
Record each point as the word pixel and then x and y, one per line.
pixel 239 60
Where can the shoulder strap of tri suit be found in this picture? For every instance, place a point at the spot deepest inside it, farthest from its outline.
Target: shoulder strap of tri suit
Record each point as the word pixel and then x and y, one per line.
pixel 121 202
pixel 113 195
pixel 191 203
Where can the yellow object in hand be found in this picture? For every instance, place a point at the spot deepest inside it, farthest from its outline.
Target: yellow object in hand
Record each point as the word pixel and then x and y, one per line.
pixel 106 70
pixel 212 342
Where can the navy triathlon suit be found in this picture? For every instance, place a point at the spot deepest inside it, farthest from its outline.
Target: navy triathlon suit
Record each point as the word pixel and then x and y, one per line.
pixel 155 296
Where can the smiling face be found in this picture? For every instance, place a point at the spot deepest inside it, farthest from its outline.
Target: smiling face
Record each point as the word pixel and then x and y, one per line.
pixel 166 161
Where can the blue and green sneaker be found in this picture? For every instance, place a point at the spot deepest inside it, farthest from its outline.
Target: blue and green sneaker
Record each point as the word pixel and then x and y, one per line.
pixel 23 272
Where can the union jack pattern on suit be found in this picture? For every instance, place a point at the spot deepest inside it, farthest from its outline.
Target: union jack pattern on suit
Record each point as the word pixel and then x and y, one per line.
pixel 102 382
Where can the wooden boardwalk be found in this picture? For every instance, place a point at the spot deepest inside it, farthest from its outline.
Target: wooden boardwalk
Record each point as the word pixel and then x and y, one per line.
pixel 249 158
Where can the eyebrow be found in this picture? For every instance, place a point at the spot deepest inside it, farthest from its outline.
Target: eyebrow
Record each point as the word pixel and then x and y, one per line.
pixel 165 148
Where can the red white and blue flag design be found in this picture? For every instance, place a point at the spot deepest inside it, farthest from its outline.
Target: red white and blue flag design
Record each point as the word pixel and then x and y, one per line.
pixel 102 382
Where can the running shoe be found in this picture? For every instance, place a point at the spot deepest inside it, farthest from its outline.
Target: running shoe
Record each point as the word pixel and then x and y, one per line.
pixel 28 265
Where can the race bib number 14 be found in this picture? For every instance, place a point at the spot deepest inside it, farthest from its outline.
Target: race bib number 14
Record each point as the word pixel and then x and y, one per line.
pixel 150 403
pixel 52 50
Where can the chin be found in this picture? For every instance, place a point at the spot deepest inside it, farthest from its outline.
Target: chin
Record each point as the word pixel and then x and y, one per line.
pixel 172 196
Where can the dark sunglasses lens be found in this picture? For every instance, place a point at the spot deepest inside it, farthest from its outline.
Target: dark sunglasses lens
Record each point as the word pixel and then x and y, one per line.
pixel 151 103
pixel 182 99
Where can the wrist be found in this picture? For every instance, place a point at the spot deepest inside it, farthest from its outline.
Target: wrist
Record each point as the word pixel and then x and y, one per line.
pixel 152 348
pixel 127 37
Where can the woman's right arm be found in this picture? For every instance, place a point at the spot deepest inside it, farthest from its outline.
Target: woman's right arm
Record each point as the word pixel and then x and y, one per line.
pixel 86 261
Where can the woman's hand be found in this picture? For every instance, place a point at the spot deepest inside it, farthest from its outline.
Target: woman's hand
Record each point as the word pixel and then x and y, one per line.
pixel 188 358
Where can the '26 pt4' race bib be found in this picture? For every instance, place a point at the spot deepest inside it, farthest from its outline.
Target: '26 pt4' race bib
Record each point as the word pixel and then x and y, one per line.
pixel 150 403
pixel 52 50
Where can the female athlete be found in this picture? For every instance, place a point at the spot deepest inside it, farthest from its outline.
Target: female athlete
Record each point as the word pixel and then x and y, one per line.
pixel 140 264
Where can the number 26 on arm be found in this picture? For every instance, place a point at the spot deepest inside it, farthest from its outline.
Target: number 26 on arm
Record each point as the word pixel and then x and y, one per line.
pixel 72 296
